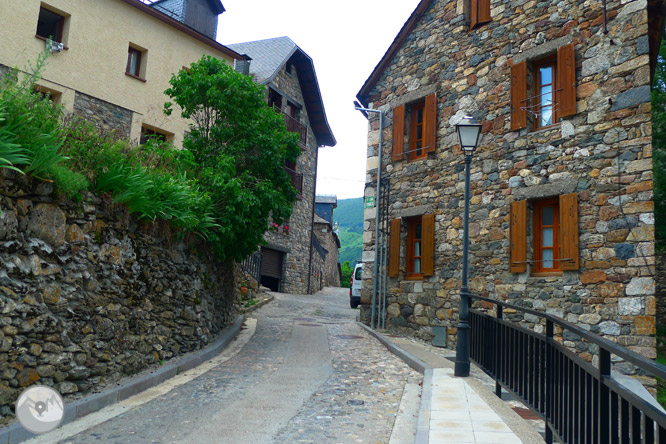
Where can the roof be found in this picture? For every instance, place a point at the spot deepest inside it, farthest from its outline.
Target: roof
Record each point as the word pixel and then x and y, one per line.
pixel 326 198
pixel 185 29
pixel 407 28
pixel 269 56
pixel 215 5
pixel 320 220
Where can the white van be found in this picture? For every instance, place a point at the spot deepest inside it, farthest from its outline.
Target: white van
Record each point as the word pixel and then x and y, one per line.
pixel 355 287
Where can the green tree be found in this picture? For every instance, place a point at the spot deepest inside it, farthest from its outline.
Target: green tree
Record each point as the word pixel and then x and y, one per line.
pixel 239 146
pixel 347 271
pixel 659 146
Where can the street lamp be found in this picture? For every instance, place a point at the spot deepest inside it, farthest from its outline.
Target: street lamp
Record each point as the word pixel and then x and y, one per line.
pixel 469 131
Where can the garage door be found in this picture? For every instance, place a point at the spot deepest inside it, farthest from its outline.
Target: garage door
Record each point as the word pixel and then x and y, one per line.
pixel 271 263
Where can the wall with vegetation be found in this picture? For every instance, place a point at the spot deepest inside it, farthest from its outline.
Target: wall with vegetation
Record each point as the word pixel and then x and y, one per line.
pixel 90 294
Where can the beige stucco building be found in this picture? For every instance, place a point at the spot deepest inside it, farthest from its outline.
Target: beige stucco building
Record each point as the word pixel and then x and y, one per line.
pixel 117 56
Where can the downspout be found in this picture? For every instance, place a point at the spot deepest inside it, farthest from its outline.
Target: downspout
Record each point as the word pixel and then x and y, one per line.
pixel 379 174
pixel 314 198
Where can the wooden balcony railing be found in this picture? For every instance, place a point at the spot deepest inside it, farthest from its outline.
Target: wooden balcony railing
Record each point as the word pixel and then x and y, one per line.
pixel 295 126
pixel 296 181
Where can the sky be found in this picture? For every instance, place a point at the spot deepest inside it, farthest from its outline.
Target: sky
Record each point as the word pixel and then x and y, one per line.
pixel 345 39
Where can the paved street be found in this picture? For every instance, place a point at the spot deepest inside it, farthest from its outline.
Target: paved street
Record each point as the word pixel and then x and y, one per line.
pixel 309 374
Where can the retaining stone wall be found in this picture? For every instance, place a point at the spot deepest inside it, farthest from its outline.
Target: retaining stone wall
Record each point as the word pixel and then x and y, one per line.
pixel 89 294
pixel 613 292
pixel 104 115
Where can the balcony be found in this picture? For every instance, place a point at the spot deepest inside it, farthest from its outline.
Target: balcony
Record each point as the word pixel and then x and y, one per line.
pixel 295 126
pixel 296 181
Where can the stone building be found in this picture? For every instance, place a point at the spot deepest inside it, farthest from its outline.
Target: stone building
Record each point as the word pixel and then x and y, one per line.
pixel 561 195
pixel 292 260
pixel 113 74
pixel 327 234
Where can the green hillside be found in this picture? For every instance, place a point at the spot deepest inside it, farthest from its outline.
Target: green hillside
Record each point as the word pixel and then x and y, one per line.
pixel 349 216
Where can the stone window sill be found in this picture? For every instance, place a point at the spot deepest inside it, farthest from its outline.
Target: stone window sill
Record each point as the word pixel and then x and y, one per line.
pixel 546 274
pixel 135 77
pixel 65 47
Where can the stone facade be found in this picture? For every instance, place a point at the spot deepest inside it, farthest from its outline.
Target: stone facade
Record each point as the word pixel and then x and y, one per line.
pixel 297 272
pixel 89 295
pixel 329 240
pixel 104 115
pixel 603 153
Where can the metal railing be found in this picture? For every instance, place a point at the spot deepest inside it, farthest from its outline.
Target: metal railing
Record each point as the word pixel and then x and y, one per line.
pixel 580 403
pixel 252 265
pixel 296 181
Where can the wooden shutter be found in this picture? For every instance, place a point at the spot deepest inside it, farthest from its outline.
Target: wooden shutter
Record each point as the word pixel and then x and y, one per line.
pixel 518 237
pixel 428 244
pixel 483 13
pixel 473 13
pixel 394 248
pixel 569 231
pixel 430 120
pixel 566 80
pixel 398 132
pixel 518 96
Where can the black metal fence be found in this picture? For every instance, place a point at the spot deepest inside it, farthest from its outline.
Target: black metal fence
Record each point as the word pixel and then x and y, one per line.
pixel 252 265
pixel 580 403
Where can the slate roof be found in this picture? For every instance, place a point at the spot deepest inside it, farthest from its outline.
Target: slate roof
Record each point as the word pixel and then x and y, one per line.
pixel 269 56
pixel 326 198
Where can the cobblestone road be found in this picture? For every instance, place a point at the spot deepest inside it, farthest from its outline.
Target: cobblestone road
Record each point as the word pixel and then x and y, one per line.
pixel 349 393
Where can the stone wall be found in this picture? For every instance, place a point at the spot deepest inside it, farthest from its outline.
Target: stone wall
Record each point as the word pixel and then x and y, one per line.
pixel 603 153
pixel 328 238
pixel 89 294
pixel 104 115
pixel 296 266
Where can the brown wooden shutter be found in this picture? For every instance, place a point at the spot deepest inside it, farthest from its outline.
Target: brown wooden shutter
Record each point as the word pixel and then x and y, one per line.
pixel 518 96
pixel 566 80
pixel 483 13
pixel 569 231
pixel 428 244
pixel 430 120
pixel 398 132
pixel 518 237
pixel 394 248
pixel 473 13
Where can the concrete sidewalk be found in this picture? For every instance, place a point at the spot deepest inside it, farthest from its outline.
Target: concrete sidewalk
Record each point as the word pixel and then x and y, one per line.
pixel 457 410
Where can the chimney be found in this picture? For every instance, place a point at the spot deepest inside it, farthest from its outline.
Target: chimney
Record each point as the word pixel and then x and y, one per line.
pixel 243 66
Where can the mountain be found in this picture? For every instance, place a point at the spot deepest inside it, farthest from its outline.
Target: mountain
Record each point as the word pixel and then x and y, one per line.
pixel 349 216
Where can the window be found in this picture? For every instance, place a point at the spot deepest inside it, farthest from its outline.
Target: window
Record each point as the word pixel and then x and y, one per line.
pixel 554 235
pixel 546 235
pixel 150 132
pixel 274 99
pixel 50 25
pixel 48 93
pixel 136 62
pixel 552 90
pixel 420 119
pixel 479 13
pixel 420 247
pixel 416 131
pixel 359 273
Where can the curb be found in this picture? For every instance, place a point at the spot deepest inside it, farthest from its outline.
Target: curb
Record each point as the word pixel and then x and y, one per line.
pixel 259 304
pixel 423 421
pixel 15 433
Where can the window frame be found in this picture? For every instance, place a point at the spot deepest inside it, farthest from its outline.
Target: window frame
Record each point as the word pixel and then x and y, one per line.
pixel 536 66
pixel 538 226
pixel 414 126
pixel 128 69
pixel 60 25
pixel 411 257
pixel 149 130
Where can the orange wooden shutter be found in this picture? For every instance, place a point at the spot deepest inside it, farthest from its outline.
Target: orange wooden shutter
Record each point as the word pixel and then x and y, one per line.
pixel 518 96
pixel 483 13
pixel 569 231
pixel 473 13
pixel 394 248
pixel 428 245
pixel 518 234
pixel 566 80
pixel 398 132
pixel 430 130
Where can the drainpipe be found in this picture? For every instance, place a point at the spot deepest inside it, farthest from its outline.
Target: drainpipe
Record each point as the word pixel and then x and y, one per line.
pixel 365 112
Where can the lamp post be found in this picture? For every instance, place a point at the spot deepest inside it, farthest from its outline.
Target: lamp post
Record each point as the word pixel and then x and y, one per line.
pixel 469 130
